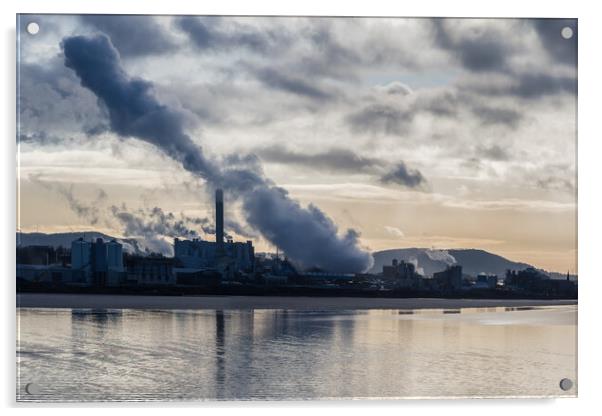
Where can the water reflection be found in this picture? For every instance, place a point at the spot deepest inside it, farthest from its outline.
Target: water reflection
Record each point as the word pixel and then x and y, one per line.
pixel 220 372
pixel 158 355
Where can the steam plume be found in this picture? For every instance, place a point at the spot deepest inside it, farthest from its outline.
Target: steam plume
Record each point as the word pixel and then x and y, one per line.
pixel 307 235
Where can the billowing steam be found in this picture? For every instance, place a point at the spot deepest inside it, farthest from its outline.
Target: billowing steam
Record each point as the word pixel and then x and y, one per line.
pixel 413 260
pixel 441 255
pixel 152 226
pixel 306 235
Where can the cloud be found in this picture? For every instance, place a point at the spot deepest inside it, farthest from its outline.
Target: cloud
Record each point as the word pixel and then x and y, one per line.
pixel 212 34
pixel 561 49
pixel 484 48
pixel 39 137
pixel 394 231
pixel 402 175
pixel 478 50
pixel 534 85
pixel 345 161
pixel 272 78
pixel 493 115
pixel 493 152
pixel 395 88
pixel 529 86
pixel 450 102
pixel 132 35
pixel 51 103
pixel 553 176
pixel 557 183
pixel 380 118
pixel 333 160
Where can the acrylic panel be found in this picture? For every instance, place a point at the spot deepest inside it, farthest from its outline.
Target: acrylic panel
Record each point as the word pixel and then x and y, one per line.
pixel 286 208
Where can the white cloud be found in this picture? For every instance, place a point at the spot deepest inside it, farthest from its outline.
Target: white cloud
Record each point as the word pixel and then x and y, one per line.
pixel 394 231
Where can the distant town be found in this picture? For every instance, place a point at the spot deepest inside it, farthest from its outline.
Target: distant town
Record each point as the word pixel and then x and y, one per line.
pixel 224 266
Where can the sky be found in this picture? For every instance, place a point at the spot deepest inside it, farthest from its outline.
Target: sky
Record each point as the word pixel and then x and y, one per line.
pixel 332 137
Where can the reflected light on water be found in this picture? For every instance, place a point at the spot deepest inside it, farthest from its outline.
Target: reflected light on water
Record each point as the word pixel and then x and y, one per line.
pixel 88 354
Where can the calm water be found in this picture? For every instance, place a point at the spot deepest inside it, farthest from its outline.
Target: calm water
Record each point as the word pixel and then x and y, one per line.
pixel 86 354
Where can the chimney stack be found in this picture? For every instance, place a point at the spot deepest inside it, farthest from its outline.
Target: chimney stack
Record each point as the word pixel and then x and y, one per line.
pixel 219 219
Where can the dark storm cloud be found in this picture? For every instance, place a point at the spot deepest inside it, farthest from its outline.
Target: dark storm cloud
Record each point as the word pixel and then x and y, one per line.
pixel 402 175
pixel 380 118
pixel 480 51
pixel 132 35
pixel 307 235
pixel 561 49
pixel 208 33
pixel 272 78
pixel 334 160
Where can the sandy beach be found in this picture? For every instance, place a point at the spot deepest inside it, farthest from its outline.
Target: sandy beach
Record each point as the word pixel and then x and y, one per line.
pixel 42 300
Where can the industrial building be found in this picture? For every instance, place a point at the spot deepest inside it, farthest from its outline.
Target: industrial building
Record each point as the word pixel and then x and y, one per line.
pixel 228 256
pixel 485 281
pixel 450 279
pixel 97 263
pixel 401 273
pixel 150 270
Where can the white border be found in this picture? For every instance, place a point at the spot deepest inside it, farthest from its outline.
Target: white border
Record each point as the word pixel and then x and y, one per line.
pixel 590 209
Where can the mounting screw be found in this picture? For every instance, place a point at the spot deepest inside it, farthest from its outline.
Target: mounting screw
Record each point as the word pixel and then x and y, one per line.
pixel 566 384
pixel 33 28
pixel 31 388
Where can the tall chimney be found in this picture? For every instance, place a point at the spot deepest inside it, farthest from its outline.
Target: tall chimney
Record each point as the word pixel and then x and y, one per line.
pixel 219 220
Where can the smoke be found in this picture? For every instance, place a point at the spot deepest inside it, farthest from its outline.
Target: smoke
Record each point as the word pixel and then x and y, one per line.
pixel 402 175
pixel 306 235
pixel 90 212
pixel 155 221
pixel 133 109
pixel 152 228
pixel 157 227
pixel 414 261
pixel 441 255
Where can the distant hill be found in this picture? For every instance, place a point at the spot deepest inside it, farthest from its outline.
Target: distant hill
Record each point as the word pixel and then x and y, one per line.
pixel 473 261
pixel 64 239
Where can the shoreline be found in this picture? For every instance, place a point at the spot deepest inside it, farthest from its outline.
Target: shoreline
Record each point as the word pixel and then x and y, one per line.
pixel 217 302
